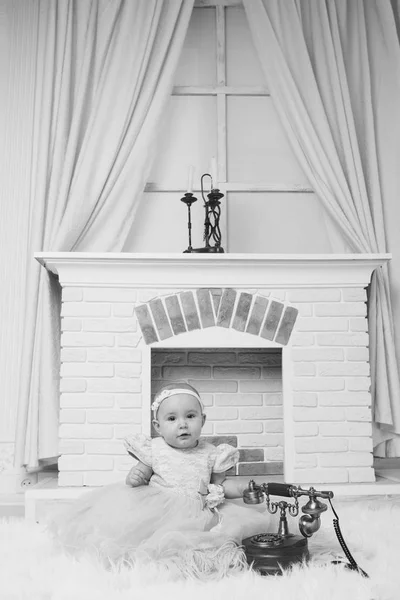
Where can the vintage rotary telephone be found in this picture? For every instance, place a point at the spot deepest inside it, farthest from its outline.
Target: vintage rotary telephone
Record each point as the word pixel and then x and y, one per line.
pixel 269 553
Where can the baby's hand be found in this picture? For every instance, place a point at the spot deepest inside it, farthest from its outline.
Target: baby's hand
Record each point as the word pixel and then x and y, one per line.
pixel 139 475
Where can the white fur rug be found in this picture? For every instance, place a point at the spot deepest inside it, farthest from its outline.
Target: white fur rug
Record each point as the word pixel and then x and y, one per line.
pixel 31 568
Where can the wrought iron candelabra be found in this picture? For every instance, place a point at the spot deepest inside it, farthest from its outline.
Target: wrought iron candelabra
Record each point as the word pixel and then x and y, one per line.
pixel 212 208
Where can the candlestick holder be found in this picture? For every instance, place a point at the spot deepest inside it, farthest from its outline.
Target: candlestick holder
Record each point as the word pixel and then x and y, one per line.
pixel 212 207
pixel 189 199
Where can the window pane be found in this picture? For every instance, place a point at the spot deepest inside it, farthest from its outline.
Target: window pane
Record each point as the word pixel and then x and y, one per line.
pixel 188 137
pixel 242 64
pixel 258 150
pixel 275 223
pixel 161 224
pixel 197 65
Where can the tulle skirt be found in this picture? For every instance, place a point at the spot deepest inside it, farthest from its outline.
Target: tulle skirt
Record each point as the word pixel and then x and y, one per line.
pixel 119 523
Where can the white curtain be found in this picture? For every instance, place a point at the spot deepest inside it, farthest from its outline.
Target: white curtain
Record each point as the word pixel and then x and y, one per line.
pixel 333 69
pixel 104 74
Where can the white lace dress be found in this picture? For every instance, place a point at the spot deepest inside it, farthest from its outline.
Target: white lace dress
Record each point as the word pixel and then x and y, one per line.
pixel 166 520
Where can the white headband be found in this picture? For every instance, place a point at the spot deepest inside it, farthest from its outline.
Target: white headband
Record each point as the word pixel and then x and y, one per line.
pixel 168 393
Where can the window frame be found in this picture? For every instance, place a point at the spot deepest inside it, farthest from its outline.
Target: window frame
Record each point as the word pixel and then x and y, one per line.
pixel 222 91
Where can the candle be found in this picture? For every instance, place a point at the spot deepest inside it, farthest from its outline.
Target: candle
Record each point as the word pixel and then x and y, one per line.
pixel 214 172
pixel 190 180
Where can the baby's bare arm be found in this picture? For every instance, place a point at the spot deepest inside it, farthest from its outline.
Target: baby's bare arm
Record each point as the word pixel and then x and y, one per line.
pixel 139 475
pixel 232 487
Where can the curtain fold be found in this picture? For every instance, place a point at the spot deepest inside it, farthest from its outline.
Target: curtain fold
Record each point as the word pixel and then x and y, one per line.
pixel 330 66
pixel 104 74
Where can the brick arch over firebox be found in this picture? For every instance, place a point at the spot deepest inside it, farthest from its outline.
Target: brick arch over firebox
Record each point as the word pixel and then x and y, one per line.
pixel 167 316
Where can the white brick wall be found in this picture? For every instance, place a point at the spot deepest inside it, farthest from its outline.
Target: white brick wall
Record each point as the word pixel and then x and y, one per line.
pixel 103 392
pixel 338 349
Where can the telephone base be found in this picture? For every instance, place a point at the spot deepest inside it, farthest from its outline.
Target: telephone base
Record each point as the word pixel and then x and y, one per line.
pixel 270 554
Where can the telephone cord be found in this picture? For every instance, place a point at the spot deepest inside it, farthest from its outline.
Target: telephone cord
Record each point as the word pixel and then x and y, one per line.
pixel 352 563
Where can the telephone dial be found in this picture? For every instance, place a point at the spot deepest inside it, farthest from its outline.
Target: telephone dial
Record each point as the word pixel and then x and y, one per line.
pixel 270 553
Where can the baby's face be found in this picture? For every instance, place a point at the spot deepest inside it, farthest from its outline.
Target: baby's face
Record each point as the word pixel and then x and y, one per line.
pixel 179 421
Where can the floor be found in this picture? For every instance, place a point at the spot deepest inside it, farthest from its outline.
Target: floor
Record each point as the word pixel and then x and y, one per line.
pixel 12 505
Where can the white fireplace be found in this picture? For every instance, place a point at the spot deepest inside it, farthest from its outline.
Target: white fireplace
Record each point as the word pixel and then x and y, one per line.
pixel 303 318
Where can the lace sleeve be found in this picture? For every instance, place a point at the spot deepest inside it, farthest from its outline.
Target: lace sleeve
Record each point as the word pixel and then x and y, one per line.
pixel 226 456
pixel 139 446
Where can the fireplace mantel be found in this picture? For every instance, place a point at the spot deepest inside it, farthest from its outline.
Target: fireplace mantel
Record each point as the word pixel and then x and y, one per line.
pixel 118 308
pixel 226 270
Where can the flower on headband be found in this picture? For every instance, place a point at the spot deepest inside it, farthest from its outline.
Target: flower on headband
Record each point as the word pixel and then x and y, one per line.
pixel 167 393
pixel 160 397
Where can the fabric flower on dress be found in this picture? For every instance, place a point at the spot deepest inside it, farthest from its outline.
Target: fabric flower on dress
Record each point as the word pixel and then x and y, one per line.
pixel 215 496
pixel 212 495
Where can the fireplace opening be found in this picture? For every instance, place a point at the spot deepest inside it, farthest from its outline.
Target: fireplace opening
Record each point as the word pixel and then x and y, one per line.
pixel 242 392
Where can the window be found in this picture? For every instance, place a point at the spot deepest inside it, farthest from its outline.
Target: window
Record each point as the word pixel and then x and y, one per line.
pixel 221 107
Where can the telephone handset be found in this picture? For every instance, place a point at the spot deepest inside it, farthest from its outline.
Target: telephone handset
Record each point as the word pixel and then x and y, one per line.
pixel 269 553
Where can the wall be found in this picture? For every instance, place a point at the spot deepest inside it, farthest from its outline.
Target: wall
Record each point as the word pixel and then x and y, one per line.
pixel 295 221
